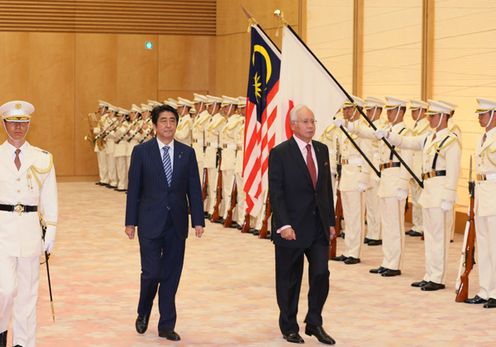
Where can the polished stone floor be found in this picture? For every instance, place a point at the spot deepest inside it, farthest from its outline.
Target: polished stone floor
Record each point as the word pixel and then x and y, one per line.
pixel 227 296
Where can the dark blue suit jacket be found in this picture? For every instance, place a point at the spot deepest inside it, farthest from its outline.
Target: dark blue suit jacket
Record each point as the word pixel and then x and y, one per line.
pixel 150 199
pixel 293 199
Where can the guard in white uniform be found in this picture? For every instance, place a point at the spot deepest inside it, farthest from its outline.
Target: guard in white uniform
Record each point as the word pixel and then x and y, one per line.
pixel 354 181
pixel 185 125
pixel 393 190
pixel 212 131
pixel 441 154
pixel 120 149
pixel 228 143
pixel 132 137
pixel 240 211
pixel 454 128
pixel 420 128
pixel 28 195
pixel 373 107
pixel 484 206
pixel 99 145
pixel 200 122
pixel 109 137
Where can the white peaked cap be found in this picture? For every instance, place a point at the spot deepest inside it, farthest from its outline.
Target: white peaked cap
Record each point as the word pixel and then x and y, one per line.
pixel 113 108
pixel 16 111
pixel 172 103
pixel 227 100
pixel 356 102
pixel 123 111
pixel 135 108
pixel 418 104
pixel 392 103
pixel 184 102
pixel 199 98
pixel 371 102
pixel 146 107
pixel 485 105
pixel 214 99
pixel 436 107
pixel 241 101
pixel 153 103
pixel 102 103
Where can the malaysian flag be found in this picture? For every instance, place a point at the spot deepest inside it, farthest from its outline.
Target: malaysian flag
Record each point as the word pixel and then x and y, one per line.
pixel 261 113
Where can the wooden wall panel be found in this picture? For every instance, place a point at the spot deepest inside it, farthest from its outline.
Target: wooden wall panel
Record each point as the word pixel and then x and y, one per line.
pixel 233 40
pixel 166 17
pixel 95 78
pixel 39 68
pixel 185 63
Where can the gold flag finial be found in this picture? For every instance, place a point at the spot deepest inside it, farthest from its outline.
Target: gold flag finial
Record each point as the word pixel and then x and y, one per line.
pixel 251 20
pixel 282 21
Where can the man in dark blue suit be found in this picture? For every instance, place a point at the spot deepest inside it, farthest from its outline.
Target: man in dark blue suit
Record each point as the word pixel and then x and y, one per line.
pixel 163 185
pixel 302 224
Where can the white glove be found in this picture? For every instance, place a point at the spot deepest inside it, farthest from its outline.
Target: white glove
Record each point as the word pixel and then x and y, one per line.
pixel 380 133
pixel 446 205
pixel 49 239
pixel 362 186
pixel 338 122
pixel 401 194
pixel 350 126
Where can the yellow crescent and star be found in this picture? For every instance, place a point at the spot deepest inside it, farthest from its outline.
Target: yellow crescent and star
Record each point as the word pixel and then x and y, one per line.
pixel 256 79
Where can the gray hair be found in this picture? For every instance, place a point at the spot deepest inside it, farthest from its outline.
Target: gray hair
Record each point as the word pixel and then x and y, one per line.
pixel 293 114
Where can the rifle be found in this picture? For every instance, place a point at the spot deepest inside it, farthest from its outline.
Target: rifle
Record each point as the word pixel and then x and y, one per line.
pixel 218 189
pixel 234 198
pixel 467 258
pixel 205 184
pixel 245 228
pixel 265 222
pixel 104 133
pixel 339 206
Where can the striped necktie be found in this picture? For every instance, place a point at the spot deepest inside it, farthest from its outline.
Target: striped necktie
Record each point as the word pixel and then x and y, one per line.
pixel 17 160
pixel 166 162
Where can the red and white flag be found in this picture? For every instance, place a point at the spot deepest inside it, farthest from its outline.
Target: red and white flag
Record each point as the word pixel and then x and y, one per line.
pixel 304 81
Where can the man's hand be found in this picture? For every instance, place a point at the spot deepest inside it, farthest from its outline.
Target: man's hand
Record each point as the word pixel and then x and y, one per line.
pixel 332 233
pixel 198 231
pixel 288 234
pixel 130 230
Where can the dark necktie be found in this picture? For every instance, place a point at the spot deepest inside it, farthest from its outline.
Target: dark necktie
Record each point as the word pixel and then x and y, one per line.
pixel 167 164
pixel 311 166
pixel 17 160
pixel 484 137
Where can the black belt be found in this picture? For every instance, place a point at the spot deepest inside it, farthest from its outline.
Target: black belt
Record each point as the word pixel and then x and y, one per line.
pixel 19 208
pixel 433 173
pixel 389 165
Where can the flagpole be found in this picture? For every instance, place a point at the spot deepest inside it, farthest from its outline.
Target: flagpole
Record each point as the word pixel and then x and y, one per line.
pixel 253 22
pixel 372 125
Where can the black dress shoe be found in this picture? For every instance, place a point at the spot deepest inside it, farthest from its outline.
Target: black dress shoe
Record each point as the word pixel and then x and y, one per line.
pixel 342 257
pixel 293 338
pixel 351 261
pixel 342 235
pixel 475 300
pixel 408 232
pixel 255 232
pixel 3 339
pixel 169 335
pixel 379 270
pixel 415 233
pixel 419 284
pixel 239 227
pixel 491 303
pixel 366 240
pixel 374 243
pixel 142 323
pixel 391 273
pixel 432 286
pixel 320 334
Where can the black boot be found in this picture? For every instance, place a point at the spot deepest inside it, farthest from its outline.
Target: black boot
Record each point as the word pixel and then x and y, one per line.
pixel 3 339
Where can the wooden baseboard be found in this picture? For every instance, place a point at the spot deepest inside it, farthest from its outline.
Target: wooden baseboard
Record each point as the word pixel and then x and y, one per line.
pixel 77 178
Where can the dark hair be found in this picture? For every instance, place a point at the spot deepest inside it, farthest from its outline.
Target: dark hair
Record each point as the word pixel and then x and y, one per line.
pixel 157 110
